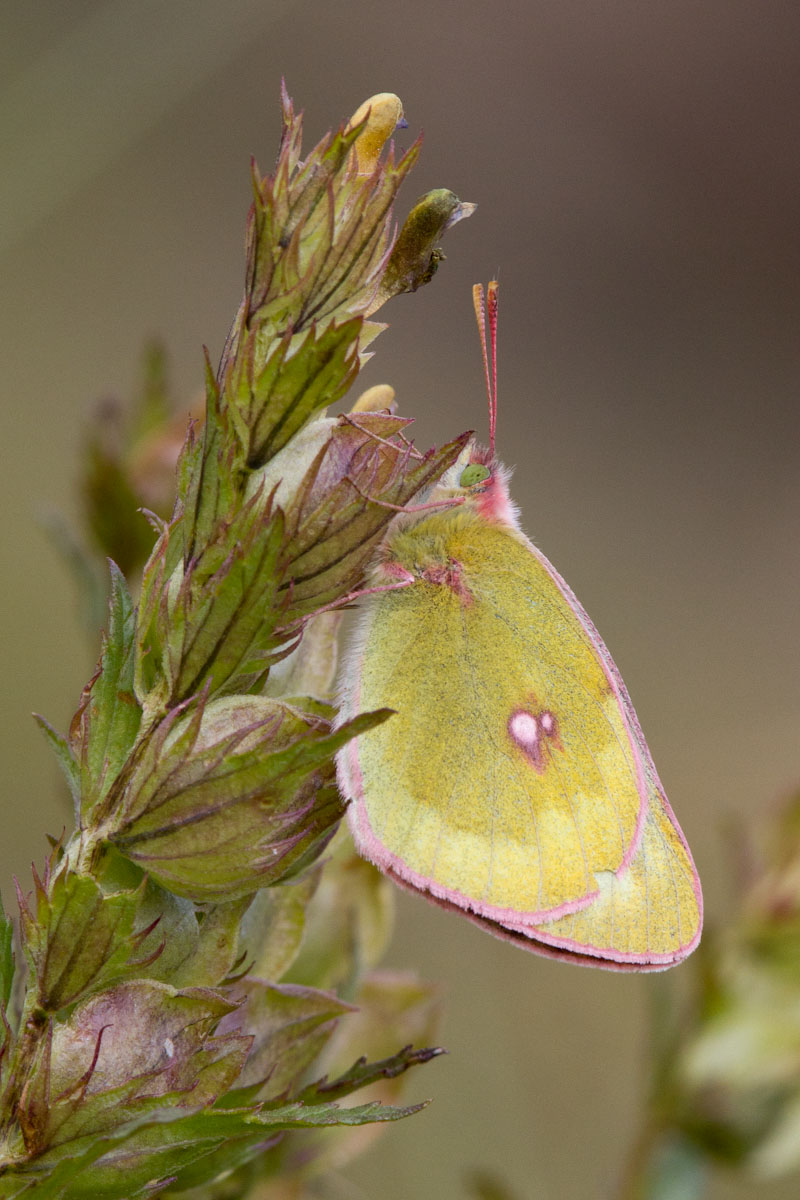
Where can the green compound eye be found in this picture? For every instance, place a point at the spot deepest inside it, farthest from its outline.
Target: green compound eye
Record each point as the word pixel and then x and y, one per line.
pixel 474 473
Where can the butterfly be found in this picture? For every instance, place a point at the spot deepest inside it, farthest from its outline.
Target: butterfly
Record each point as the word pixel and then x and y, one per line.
pixel 513 783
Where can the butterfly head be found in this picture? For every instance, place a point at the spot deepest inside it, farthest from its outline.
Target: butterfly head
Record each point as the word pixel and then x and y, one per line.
pixel 480 482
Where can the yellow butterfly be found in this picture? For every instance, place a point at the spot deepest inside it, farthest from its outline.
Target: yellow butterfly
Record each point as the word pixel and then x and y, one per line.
pixel 513 783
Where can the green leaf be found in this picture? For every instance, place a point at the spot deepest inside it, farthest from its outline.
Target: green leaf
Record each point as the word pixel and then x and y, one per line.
pixel 209 472
pixel 167 929
pixel 349 495
pixel 217 946
pixel 153 683
pixel 80 940
pixel 363 1073
pixel 6 958
pixel 290 1026
pixel 393 1006
pixel 162 1146
pixel 220 625
pixel 13 1185
pixel 117 1165
pixel 272 928
pixel 107 722
pixel 290 1118
pixel 64 756
pixel 301 375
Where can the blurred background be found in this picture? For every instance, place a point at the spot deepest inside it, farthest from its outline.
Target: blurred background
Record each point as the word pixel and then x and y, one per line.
pixel 637 173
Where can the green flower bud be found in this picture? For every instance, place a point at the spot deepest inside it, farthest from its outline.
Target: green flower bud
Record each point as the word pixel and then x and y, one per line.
pixel 416 256
pixel 235 797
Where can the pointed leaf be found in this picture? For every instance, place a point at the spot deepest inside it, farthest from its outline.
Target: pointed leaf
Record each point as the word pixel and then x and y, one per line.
pixel 300 377
pixel 167 932
pixel 153 683
pixel 350 494
pixel 6 958
pixel 81 939
pixel 363 1073
pixel 392 1006
pixel 64 756
pixel 122 1164
pixel 107 723
pixel 227 608
pixel 290 1026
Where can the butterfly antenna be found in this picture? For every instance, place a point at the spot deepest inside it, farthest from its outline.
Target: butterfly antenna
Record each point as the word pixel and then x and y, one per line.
pixel 491 301
pixel 490 374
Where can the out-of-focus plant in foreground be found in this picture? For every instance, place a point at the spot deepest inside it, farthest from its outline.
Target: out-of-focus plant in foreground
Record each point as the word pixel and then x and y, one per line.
pixel 726 1085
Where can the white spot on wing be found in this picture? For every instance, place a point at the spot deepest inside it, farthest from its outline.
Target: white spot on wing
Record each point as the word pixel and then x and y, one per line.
pixel 524 730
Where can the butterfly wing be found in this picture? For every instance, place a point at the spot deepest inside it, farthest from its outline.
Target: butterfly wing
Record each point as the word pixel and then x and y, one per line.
pixel 514 782
pixel 649 915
